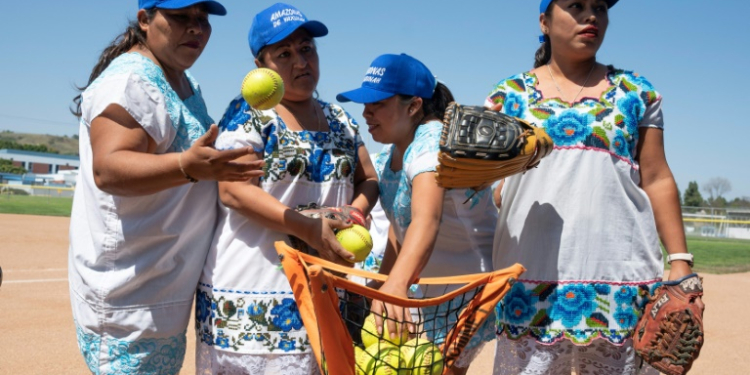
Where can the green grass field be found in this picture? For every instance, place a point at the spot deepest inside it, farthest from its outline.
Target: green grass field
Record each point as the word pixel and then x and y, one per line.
pixel 719 255
pixel 30 205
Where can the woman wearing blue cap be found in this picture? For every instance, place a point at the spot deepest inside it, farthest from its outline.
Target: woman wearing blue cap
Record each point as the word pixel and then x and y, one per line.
pixel 587 222
pixel 147 193
pixel 246 316
pixel 434 232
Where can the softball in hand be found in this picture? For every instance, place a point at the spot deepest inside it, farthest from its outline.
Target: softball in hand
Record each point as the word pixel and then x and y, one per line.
pixel 262 88
pixel 356 240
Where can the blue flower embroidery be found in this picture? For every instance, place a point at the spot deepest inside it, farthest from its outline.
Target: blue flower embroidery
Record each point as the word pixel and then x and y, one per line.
pixel 286 315
pixel 571 303
pixel 271 143
pixel 335 126
pixel 514 105
pixel 569 128
pixel 620 144
pixel 222 342
pixel 602 288
pixel 639 81
pixel 320 165
pixel 202 306
pixel 625 295
pixel 255 309
pixel 320 137
pixel 626 318
pixel 286 345
pixel 519 304
pixel 632 109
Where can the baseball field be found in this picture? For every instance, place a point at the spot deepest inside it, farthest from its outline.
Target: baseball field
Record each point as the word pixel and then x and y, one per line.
pixel 37 335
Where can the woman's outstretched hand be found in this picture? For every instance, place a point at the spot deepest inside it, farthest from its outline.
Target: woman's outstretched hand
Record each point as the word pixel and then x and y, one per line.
pixel 204 162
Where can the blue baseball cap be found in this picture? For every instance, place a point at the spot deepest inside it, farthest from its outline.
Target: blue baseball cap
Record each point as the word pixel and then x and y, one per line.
pixel 212 7
pixel 545 4
pixel 277 22
pixel 389 75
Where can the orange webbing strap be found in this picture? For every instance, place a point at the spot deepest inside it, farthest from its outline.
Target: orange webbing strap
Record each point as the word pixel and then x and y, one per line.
pixel 335 340
pixel 477 311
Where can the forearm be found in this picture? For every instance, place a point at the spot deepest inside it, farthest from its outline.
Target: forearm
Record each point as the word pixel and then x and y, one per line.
pixel 415 252
pixel 365 195
pixel 667 213
pixel 256 204
pixel 133 173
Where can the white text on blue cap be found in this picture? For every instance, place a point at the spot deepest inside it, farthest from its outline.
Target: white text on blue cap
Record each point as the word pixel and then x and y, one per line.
pixel 288 14
pixel 374 74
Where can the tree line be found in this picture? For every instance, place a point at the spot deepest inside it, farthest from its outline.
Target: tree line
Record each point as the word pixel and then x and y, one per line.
pixel 715 190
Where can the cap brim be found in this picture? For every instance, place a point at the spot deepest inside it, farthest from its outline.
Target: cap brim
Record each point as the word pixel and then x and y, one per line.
pixel 363 95
pixel 212 7
pixel 315 28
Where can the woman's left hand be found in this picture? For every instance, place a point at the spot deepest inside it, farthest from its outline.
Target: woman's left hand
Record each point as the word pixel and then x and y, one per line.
pixel 679 269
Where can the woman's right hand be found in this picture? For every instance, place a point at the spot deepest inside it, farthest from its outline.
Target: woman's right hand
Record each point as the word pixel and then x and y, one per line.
pixel 203 162
pixel 320 236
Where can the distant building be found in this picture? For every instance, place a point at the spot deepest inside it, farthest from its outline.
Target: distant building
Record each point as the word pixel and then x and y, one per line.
pixel 41 162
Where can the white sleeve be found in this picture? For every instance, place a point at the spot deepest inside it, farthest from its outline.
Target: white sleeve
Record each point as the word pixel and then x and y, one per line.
pixel 653 117
pixel 144 102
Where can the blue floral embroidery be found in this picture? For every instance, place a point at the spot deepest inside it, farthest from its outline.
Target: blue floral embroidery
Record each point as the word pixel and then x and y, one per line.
pixel 286 315
pixel 625 295
pixel 189 117
pixel 602 288
pixel 519 305
pixel 146 356
pixel 255 309
pixel 286 345
pixel 514 105
pixel 571 303
pixel 632 108
pixel 222 342
pixel 89 344
pixel 620 144
pixel 625 318
pixel 320 166
pixel 639 81
pixel 202 306
pixel 569 128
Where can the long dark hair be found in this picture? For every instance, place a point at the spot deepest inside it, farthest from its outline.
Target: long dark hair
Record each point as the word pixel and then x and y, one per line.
pixel 544 52
pixel 132 37
pixel 436 105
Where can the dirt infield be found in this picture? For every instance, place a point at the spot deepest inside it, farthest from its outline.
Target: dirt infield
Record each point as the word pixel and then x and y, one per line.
pixel 37 335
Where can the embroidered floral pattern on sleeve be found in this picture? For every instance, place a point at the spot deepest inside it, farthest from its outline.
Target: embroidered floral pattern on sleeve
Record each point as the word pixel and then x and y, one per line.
pixel 395 187
pixel 265 322
pixel 145 356
pixel 608 123
pixel 315 156
pixel 577 311
pixel 189 117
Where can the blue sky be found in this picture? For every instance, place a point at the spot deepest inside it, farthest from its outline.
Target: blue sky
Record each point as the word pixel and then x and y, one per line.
pixel 696 53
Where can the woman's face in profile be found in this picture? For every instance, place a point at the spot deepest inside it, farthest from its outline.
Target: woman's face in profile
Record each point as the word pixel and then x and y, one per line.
pixel 296 60
pixel 578 26
pixel 177 37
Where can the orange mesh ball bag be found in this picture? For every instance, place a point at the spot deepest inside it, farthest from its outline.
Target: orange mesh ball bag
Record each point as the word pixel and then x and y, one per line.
pixel 334 311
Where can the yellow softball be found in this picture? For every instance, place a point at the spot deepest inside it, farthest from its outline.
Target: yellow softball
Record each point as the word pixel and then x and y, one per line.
pixel 356 240
pixel 262 88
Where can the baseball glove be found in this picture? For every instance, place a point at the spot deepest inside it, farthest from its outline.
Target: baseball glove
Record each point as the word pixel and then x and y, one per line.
pixel 480 146
pixel 669 335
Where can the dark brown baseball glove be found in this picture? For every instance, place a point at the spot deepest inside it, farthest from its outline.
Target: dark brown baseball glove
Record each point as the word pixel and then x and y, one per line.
pixel 669 335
